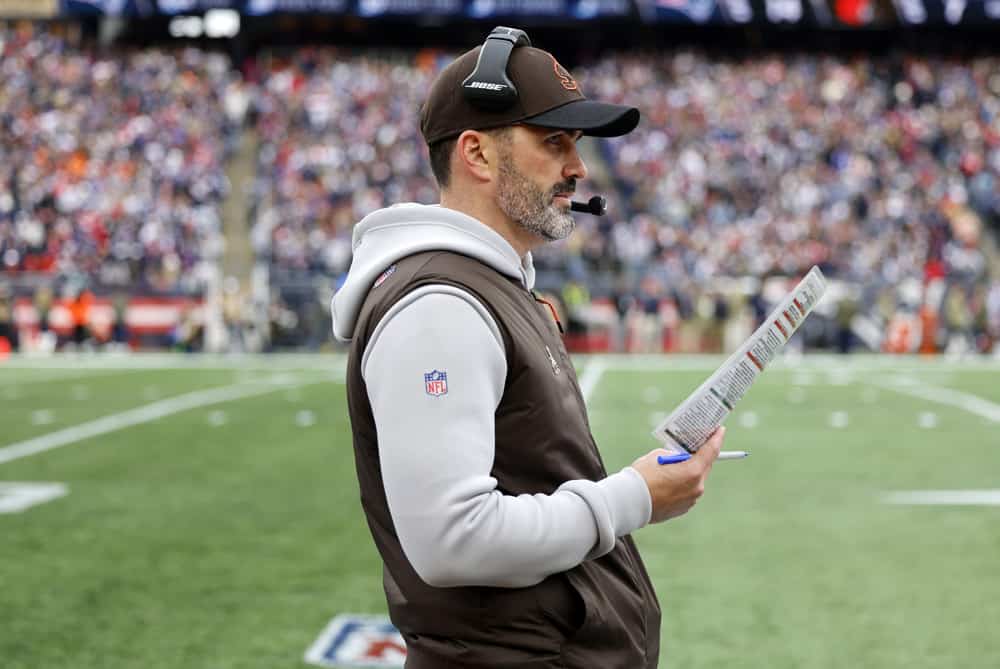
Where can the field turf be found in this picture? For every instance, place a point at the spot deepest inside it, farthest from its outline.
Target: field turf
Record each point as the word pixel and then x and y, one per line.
pixel 212 516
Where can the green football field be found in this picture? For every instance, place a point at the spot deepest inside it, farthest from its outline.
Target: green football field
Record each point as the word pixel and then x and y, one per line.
pixel 211 518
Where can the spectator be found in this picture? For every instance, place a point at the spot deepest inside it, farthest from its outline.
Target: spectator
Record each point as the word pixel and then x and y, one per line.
pixel 112 162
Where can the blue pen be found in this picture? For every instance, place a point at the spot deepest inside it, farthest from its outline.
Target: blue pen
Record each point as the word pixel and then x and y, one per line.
pixel 681 457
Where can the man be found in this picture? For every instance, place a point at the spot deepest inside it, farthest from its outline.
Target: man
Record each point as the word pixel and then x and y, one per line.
pixel 504 540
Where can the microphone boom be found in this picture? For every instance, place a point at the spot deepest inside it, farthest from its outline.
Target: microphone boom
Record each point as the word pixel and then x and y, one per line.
pixel 596 205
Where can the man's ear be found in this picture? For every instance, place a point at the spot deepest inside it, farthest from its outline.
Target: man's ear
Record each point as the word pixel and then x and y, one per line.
pixel 475 153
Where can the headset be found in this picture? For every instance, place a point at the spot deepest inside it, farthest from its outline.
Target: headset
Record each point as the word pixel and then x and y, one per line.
pixel 489 88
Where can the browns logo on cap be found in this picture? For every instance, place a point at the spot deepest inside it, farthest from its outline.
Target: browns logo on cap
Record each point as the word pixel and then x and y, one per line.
pixel 568 82
pixel 548 96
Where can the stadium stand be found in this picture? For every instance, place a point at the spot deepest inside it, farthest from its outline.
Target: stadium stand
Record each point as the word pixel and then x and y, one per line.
pixel 339 139
pixel 884 170
pixel 113 161
pixel 771 165
pixel 880 170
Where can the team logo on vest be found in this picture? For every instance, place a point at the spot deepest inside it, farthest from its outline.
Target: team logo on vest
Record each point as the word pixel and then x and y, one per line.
pixel 384 275
pixel 552 361
pixel 436 383
pixel 358 641
pixel 565 78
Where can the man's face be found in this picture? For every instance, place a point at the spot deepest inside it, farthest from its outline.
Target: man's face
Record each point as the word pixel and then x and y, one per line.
pixel 537 175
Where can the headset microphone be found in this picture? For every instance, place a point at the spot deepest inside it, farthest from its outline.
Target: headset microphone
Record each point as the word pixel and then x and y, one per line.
pixel 596 205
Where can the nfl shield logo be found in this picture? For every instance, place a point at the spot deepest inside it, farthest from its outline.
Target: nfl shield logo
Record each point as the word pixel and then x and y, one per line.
pixel 351 641
pixel 384 275
pixel 436 383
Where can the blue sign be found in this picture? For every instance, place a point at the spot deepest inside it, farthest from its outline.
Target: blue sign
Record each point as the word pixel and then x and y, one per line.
pixel 372 8
pixel 263 7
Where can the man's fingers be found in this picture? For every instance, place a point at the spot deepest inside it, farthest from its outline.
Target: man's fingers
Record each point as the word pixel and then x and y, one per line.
pixel 710 450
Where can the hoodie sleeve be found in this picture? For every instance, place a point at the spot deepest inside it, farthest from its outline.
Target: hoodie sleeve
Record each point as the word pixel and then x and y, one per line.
pixel 436 454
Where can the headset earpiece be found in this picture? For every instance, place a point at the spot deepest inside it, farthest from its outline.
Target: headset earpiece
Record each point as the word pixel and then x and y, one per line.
pixel 489 87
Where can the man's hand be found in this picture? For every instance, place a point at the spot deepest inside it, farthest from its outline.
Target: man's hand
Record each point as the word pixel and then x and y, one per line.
pixel 675 488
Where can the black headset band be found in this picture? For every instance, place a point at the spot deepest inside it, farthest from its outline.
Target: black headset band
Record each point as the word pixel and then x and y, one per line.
pixel 488 86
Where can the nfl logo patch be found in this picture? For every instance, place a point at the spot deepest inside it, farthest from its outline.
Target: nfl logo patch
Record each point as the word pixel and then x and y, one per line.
pixel 384 275
pixel 436 383
pixel 358 641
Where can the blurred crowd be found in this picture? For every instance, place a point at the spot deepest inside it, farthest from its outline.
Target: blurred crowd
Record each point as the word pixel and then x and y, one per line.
pixel 112 163
pixel 882 170
pixel 875 168
pixel 340 138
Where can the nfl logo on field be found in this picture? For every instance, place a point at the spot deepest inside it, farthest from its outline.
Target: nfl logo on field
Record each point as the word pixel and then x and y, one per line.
pixel 350 642
pixel 436 383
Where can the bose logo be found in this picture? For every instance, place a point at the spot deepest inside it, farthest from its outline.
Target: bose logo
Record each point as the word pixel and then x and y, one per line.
pixel 486 85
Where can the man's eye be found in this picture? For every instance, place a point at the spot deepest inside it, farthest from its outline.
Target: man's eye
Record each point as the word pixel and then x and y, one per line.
pixel 555 139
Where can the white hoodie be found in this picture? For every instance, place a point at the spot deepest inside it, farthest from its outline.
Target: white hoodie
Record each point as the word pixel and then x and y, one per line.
pixel 453 524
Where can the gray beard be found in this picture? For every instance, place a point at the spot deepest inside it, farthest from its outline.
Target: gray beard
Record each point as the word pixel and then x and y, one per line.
pixel 529 206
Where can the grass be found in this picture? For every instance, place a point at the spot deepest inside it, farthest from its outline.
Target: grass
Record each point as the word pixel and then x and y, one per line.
pixel 227 536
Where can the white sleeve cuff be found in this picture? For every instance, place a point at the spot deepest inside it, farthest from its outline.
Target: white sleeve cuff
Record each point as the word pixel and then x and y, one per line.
pixel 620 504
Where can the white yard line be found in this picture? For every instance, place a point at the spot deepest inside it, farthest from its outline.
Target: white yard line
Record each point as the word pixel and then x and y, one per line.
pixel 591 377
pixel 17 496
pixel 142 414
pixel 940 395
pixel 944 497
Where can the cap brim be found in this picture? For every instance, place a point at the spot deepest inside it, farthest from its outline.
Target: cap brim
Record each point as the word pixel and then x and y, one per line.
pixel 597 119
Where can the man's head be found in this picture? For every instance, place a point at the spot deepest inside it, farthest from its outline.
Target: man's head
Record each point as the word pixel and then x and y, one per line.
pixel 519 161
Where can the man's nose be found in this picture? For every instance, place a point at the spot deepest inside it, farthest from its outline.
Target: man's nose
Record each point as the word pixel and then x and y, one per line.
pixel 575 168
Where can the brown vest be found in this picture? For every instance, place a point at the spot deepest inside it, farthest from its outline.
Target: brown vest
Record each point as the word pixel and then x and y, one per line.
pixel 602 613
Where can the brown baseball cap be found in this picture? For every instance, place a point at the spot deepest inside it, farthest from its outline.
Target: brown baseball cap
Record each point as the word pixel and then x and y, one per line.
pixel 548 96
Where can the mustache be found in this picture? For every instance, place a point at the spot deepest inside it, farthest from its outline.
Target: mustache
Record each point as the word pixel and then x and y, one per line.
pixel 568 186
